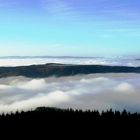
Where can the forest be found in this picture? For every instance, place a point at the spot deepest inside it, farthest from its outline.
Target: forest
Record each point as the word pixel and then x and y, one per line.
pixel 59 70
pixel 50 117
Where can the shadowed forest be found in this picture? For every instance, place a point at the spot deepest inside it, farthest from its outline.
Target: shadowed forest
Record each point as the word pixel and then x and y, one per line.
pixel 58 70
pixel 54 118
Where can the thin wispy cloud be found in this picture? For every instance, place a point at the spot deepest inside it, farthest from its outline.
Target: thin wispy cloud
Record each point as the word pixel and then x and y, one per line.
pixel 109 10
pixel 57 7
pixel 8 3
pixel 77 23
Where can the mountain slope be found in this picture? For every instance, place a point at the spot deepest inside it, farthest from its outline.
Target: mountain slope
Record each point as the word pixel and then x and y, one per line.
pixel 52 69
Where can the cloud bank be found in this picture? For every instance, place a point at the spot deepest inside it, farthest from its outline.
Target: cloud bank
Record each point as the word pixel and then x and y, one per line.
pixel 111 61
pixel 95 91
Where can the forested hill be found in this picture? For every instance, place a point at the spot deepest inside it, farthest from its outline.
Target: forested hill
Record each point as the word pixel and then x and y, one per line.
pixel 55 118
pixel 52 69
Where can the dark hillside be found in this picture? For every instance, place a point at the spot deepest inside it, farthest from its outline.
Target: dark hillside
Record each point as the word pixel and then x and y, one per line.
pixel 40 71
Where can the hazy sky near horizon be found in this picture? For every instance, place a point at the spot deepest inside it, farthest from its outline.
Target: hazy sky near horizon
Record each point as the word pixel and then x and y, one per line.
pixel 69 27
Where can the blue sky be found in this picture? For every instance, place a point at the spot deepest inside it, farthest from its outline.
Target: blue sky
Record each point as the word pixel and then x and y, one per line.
pixel 70 27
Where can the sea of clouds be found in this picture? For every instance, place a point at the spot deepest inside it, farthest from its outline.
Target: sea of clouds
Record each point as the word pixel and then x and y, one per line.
pixel 94 91
pixel 111 61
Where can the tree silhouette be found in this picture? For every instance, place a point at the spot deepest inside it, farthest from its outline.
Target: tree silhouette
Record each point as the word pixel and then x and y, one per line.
pixel 49 117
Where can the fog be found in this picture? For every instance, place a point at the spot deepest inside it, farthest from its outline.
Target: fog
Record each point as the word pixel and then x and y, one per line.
pixel 94 91
pixel 111 61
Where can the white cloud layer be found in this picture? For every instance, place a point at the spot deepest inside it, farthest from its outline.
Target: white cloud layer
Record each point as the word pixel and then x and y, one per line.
pixel 111 61
pixel 95 91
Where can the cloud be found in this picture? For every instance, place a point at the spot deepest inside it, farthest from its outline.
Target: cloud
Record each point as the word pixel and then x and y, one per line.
pixel 8 3
pixel 57 7
pixel 94 91
pixel 33 84
pixel 125 88
pixel 111 61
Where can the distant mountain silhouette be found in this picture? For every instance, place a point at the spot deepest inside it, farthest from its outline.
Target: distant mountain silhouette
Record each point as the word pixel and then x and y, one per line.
pixel 53 69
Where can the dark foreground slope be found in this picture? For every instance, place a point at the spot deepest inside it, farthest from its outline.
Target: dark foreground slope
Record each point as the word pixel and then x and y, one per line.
pixel 54 118
pixel 56 123
pixel 39 71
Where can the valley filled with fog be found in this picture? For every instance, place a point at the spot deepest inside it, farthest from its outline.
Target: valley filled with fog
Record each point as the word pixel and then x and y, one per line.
pixel 93 91
pixel 110 61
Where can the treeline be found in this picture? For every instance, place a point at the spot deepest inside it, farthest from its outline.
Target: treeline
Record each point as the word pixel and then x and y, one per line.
pixel 54 119
pixel 44 113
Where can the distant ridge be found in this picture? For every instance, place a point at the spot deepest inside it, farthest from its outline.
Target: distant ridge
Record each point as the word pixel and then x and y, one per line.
pixel 56 69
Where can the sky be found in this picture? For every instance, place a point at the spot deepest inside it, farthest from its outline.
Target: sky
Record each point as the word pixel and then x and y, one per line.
pixel 69 27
